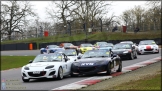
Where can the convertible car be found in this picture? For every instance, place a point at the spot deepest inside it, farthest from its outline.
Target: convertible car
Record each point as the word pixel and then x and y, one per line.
pixel 130 42
pixel 147 46
pixel 50 49
pixel 69 46
pixel 85 47
pixel 96 62
pixel 53 65
pixel 97 44
pixel 106 46
pixel 125 50
pixel 70 53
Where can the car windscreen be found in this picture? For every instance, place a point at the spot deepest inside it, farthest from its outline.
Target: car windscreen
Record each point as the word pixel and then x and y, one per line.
pixel 106 45
pixel 86 45
pixel 70 52
pixel 130 42
pixel 53 46
pixel 67 44
pixel 101 43
pixel 96 53
pixel 121 46
pixel 148 42
pixel 48 58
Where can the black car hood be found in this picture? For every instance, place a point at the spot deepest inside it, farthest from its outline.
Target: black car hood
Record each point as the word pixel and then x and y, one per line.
pixel 93 60
pixel 120 50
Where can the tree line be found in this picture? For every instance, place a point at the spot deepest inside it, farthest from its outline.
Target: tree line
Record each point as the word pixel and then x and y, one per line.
pixel 79 15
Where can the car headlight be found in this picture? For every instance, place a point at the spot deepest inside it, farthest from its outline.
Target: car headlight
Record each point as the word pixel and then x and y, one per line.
pixel 76 64
pixel 26 68
pixel 48 67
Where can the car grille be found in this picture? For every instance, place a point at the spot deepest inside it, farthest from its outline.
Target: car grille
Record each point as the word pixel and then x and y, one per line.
pixel 42 73
pixel 86 69
pixel 148 49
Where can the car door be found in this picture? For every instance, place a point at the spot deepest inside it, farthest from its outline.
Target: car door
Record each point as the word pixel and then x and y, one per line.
pixel 67 64
pixel 63 63
pixel 114 61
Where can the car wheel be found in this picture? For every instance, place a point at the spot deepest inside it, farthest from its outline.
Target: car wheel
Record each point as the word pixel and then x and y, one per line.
pixel 60 74
pixel 109 69
pixel 131 56
pixel 25 80
pixel 120 67
pixel 135 55
pixel 41 52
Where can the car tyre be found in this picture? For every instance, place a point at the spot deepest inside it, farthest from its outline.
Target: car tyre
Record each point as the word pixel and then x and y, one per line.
pixel 109 69
pixel 25 80
pixel 60 73
pixel 120 67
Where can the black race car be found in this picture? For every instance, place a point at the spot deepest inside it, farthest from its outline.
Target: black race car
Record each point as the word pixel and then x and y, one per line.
pixel 96 62
pixel 125 50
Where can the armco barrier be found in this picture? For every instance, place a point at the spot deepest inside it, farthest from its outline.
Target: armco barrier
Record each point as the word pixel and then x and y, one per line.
pixel 22 46
pixel 9 46
pixel 2 47
pixel 34 46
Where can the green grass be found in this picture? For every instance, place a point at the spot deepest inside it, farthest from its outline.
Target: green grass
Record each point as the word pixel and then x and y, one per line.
pixel 8 62
pixel 104 36
pixel 152 82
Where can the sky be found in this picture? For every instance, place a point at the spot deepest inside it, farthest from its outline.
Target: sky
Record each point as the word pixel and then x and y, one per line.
pixel 117 7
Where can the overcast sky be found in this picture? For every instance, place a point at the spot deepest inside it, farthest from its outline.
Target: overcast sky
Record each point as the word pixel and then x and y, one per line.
pixel 117 7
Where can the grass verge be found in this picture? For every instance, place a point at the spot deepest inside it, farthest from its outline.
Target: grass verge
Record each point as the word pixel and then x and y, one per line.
pixel 8 62
pixel 101 36
pixel 151 82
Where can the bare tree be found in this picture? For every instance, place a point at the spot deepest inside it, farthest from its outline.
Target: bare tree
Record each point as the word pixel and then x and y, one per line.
pixel 90 10
pixel 12 15
pixel 155 11
pixel 60 11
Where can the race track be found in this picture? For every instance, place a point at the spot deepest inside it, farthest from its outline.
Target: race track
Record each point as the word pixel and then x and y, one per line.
pixel 13 77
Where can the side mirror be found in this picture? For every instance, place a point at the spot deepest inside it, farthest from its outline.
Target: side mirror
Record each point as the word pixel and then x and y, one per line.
pixel 66 59
pixel 79 57
pixel 30 61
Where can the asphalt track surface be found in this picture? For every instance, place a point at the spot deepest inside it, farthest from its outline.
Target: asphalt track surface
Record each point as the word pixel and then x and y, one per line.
pixel 13 77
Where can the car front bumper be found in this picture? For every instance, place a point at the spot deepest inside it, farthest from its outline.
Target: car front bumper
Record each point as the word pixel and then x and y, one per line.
pixel 48 73
pixel 153 50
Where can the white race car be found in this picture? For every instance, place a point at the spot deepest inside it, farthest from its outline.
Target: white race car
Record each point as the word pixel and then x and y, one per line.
pixel 54 65
pixel 147 46
pixel 70 53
